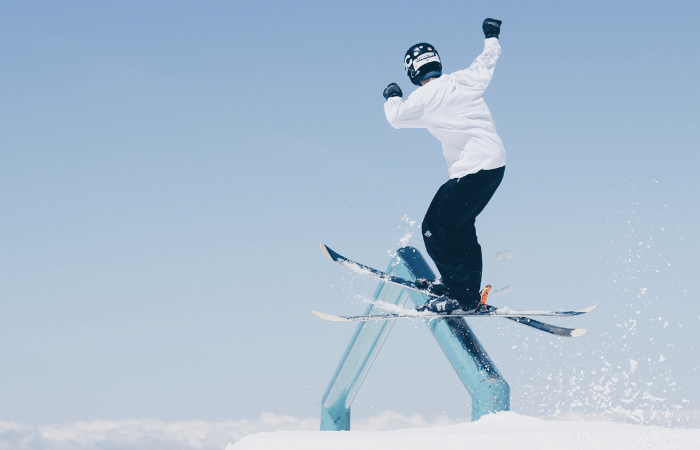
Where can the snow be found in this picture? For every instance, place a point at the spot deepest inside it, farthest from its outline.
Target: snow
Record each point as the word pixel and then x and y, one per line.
pixel 396 309
pixel 356 268
pixel 503 290
pixel 501 431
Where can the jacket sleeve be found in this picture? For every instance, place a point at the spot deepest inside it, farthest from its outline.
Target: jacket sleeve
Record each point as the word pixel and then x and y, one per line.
pixel 404 114
pixel 479 74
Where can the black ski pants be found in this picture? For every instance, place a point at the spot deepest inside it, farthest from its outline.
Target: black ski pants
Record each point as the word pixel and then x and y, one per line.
pixel 449 232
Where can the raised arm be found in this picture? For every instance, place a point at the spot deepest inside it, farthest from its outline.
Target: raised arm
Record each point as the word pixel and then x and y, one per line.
pixel 480 72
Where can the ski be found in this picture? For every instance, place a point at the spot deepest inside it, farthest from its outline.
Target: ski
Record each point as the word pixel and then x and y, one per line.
pixel 545 327
pixel 516 316
pixel 490 311
pixel 493 311
pixel 371 272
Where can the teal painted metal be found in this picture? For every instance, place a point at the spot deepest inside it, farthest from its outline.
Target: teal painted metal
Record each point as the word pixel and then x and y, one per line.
pixel 356 362
pixel 479 375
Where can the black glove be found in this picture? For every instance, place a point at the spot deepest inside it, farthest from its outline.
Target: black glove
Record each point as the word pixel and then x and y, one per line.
pixel 393 90
pixel 491 27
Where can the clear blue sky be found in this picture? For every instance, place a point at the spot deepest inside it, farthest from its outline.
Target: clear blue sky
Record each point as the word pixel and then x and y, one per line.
pixel 168 169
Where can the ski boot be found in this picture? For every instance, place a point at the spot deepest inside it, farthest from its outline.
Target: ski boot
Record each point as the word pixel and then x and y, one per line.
pixel 435 287
pixel 440 305
pixel 447 305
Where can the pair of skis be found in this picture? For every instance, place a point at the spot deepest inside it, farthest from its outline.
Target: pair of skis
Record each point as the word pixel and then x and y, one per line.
pixel 519 316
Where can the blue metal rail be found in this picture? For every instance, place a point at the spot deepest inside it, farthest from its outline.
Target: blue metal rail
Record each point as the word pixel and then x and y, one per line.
pixel 479 375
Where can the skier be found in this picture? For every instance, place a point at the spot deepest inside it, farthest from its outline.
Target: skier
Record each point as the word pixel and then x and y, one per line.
pixel 452 109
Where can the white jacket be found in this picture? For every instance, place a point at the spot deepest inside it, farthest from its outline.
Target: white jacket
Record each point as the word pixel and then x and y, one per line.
pixel 453 110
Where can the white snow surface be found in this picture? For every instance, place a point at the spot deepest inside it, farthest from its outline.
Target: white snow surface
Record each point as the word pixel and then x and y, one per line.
pixel 501 431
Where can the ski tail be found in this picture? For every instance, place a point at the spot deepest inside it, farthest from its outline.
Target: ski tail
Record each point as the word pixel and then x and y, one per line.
pixel 329 317
pixel 549 328
pixel 586 310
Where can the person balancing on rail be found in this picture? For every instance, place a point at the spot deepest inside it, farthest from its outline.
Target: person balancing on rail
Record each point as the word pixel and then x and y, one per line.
pixel 452 108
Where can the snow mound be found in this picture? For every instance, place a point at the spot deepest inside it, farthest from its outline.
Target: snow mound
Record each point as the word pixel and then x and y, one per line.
pixel 501 431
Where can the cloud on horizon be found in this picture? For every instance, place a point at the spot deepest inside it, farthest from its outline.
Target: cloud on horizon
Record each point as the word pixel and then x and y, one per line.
pixel 195 434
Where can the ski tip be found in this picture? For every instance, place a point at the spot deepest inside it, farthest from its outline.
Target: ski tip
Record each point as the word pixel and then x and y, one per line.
pixel 578 332
pixel 333 256
pixel 587 310
pixel 329 317
pixel 325 251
